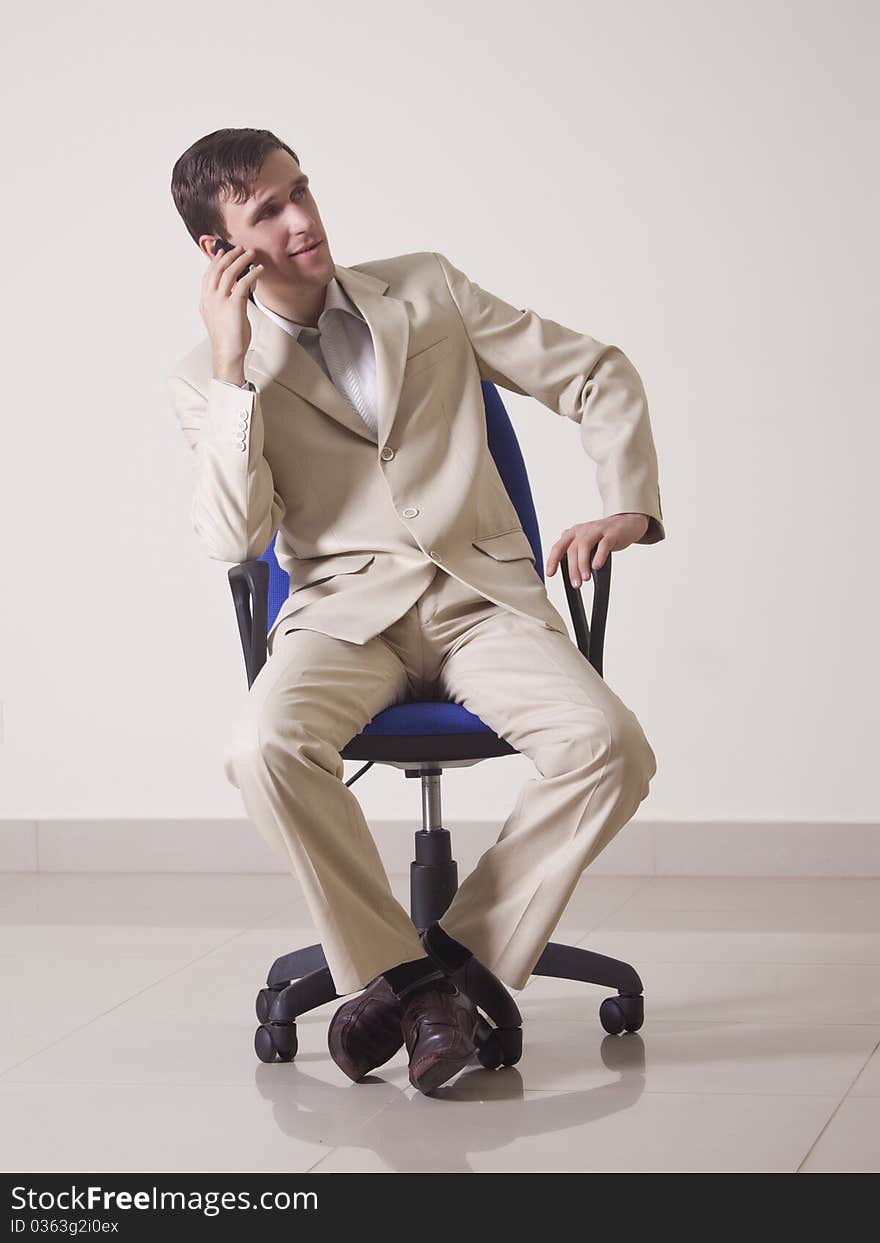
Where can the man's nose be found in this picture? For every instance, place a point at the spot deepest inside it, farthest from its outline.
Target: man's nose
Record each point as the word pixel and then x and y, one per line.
pixel 299 221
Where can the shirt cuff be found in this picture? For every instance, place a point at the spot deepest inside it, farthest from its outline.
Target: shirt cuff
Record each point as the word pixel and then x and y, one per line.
pixel 248 386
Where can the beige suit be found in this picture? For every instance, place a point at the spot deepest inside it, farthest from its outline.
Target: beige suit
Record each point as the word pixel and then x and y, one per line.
pixel 410 574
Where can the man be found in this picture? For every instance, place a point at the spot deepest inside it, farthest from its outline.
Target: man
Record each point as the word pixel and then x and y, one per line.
pixel 341 408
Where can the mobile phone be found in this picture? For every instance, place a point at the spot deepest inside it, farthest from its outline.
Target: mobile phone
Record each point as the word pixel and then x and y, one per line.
pixel 222 244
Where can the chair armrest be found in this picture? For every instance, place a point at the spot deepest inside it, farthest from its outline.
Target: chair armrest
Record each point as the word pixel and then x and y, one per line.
pixel 249 582
pixel 590 638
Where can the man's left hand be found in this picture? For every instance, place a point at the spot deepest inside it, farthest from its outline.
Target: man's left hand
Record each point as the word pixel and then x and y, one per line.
pixel 605 535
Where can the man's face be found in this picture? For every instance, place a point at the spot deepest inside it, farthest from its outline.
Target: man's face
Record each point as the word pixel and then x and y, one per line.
pixel 279 219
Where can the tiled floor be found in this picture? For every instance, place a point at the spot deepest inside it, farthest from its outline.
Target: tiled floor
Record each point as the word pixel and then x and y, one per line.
pixel 127 1037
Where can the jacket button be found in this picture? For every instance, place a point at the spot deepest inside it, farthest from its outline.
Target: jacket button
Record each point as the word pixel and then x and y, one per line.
pixel 387 454
pixel 435 556
pixel 410 513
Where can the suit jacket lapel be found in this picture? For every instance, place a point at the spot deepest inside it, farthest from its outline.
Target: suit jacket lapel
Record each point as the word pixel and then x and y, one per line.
pixel 278 356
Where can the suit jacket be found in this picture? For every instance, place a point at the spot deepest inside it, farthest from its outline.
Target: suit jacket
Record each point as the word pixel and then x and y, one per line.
pixel 362 527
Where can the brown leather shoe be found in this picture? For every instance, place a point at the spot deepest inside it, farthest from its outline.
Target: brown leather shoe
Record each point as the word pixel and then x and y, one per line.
pixel 365 1032
pixel 439 1027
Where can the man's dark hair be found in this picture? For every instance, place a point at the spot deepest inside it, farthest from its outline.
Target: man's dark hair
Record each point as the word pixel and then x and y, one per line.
pixel 226 162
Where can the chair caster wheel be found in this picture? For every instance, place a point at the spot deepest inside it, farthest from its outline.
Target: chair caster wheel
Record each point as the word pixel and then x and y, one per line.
pixel 617 1014
pixel 498 1046
pixel 489 1053
pixel 276 1042
pixel 265 998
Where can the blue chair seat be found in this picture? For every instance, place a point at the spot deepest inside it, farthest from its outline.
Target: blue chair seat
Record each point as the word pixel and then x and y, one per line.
pixel 426 731
pixel 427 717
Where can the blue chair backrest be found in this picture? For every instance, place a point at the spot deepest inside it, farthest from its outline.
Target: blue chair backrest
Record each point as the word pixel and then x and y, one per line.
pixel 504 447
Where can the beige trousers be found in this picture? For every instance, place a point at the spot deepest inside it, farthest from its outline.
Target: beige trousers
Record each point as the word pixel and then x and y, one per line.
pixel 529 684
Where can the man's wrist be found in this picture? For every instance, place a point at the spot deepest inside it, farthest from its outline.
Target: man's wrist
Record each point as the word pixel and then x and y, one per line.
pixel 232 373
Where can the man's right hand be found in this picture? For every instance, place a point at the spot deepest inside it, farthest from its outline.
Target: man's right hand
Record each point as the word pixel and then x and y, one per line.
pixel 223 308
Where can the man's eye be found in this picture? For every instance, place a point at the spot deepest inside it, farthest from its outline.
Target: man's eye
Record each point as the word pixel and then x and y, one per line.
pixel 270 211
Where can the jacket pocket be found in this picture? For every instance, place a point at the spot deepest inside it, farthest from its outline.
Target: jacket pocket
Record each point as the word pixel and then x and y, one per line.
pixel 427 357
pixel 318 569
pixel 506 546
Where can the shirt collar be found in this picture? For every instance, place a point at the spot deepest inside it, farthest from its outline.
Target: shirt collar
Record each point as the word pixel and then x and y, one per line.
pixel 335 299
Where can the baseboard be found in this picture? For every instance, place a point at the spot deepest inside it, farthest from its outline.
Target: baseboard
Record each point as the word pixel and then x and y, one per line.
pixel 642 848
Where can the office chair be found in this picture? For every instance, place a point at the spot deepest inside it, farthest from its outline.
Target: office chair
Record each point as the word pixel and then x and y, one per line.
pixel 423 738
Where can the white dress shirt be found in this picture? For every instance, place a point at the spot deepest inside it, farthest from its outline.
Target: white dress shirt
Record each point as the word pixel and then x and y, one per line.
pixel 342 346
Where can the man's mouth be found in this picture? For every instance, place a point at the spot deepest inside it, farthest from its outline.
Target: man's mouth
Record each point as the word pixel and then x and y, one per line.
pixel 308 250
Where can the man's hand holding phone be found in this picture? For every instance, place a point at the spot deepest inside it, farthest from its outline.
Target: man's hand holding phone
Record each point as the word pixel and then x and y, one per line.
pixel 223 307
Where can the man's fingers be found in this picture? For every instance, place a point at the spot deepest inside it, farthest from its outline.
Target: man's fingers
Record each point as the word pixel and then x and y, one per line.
pixel 601 552
pixel 574 572
pixel 579 559
pixel 584 559
pixel 556 552
pixel 587 549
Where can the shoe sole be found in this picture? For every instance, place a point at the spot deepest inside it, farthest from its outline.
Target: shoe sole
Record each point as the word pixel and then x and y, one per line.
pixel 438 1073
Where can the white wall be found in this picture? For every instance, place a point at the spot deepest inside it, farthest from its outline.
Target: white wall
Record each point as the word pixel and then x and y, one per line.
pixel 694 182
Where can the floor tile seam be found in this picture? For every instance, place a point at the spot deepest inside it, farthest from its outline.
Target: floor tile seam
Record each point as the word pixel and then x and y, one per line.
pixel 849 1092
pixel 827 1123
pixel 97 1017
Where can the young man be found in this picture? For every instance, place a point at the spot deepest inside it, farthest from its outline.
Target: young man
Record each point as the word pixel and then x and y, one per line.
pixel 341 408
